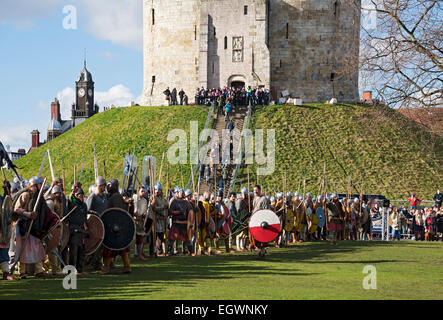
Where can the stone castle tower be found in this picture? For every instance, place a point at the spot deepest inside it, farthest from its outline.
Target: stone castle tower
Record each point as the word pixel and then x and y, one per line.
pixel 308 48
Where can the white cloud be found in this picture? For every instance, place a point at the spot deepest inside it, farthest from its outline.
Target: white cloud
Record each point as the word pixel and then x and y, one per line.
pixel 18 137
pixel 118 21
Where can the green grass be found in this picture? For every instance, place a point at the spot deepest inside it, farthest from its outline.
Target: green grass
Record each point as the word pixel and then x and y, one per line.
pixel 392 154
pixel 405 270
pixel 116 133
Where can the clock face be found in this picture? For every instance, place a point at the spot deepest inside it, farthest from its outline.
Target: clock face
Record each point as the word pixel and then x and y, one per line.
pixel 81 92
pixel 90 92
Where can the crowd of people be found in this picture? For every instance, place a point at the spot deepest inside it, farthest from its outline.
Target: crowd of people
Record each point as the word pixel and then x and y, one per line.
pixel 234 96
pixel 182 222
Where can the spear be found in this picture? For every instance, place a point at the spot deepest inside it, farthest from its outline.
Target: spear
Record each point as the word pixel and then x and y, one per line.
pixel 4 181
pixel 50 166
pixel 81 171
pixel 95 163
pixel 161 168
pixel 249 198
pixel 43 162
pixel 151 182
pixel 63 172
pixel 75 170
pixel 104 169
pixel 181 173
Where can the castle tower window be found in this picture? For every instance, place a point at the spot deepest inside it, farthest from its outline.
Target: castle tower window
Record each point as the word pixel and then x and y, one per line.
pixel 226 43
pixel 335 8
pixel 195 32
pixel 245 10
pixel 332 76
pixel 215 31
pixel 153 16
pixel 287 30
pixel 280 63
pixel 153 79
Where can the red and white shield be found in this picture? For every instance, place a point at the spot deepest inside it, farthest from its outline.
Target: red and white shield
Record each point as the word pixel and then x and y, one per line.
pixel 264 225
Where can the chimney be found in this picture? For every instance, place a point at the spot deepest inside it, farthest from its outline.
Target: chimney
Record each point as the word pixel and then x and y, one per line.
pixel 35 139
pixel 367 95
pixel 55 110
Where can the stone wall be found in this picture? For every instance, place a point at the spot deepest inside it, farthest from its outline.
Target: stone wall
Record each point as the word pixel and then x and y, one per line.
pixel 312 41
pixel 294 45
pixel 171 45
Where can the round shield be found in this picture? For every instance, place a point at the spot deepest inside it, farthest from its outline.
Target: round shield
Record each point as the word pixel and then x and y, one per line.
pixel 211 225
pixel 54 238
pixel 225 223
pixel 320 213
pixel 96 234
pixel 6 212
pixel 264 225
pixel 119 229
pixel 314 223
pixel 289 221
pixel 64 238
pixel 191 224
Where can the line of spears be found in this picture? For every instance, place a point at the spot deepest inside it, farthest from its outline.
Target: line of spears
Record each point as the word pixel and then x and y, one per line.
pixel 42 227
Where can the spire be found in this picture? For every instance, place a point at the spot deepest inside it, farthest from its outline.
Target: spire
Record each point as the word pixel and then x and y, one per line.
pixel 84 61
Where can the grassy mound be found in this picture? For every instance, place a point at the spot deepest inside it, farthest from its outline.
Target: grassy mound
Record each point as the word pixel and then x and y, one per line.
pixel 116 133
pixel 381 151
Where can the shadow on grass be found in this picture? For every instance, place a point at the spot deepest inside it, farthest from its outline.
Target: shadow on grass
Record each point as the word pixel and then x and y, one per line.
pixel 155 276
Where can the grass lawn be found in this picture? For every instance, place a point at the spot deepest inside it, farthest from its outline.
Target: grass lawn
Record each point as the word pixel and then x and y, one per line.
pixel 315 270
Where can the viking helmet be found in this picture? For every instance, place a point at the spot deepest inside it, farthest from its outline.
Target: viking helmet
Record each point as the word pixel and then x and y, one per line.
pixel 56 189
pixel 280 195
pixel 79 192
pixel 297 194
pixel 188 193
pixel 158 186
pixel 309 195
pixel 113 183
pixel 356 200
pixel 100 181
pixel 244 190
pixel 176 189
pixel 35 181
pixel 14 187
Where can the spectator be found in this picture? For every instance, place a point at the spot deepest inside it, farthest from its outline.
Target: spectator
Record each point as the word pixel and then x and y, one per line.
pixel 418 224
pixel 167 94
pixel 396 220
pixel 174 97
pixel 438 197
pixel 181 94
pixel 228 109
pixel 414 201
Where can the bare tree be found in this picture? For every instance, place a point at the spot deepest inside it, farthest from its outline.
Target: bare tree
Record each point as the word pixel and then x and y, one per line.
pixel 401 52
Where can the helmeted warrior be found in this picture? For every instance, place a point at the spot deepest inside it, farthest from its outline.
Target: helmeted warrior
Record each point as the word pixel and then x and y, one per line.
pixel 32 252
pixel 160 207
pixel 115 200
pixel 78 229
pixel 178 211
pixel 260 203
pixel 243 205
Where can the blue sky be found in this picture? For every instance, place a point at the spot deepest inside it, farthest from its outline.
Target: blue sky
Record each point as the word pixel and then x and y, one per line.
pixel 40 59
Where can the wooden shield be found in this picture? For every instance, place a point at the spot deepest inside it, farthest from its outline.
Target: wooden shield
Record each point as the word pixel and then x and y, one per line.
pixel 321 217
pixel 6 211
pixel 54 238
pixel 314 223
pixel 191 224
pixel 119 229
pixel 96 234
pixel 289 220
pixel 65 237
pixel 264 225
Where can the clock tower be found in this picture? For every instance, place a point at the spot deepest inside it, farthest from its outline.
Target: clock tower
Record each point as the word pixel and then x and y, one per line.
pixel 84 106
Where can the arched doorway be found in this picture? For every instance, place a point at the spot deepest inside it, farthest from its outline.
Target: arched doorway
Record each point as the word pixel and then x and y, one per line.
pixel 237 81
pixel 238 84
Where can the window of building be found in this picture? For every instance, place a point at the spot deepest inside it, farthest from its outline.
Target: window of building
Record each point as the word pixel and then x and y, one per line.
pixel 215 31
pixel 287 30
pixel 280 63
pixel 245 10
pixel 195 32
pixel 153 16
pixel 153 79
pixel 226 43
pixel 332 76
pixel 335 8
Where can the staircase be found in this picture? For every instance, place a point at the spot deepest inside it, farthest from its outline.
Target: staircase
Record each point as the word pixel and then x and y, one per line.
pixel 238 113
